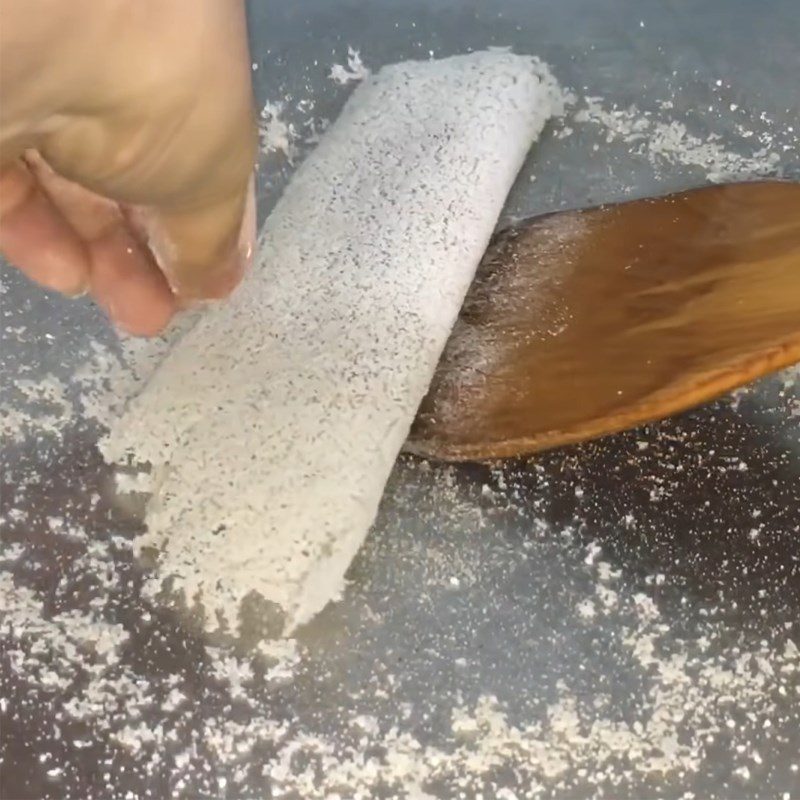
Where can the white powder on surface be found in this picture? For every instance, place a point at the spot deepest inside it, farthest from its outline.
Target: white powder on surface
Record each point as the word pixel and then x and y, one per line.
pixel 670 142
pixel 354 70
pixel 288 127
pixel 277 135
pixel 97 390
pixel 77 654
pixel 279 416
pixel 692 697
pixel 41 407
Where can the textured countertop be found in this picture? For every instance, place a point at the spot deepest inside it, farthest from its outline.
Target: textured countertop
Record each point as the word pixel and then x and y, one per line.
pixel 618 619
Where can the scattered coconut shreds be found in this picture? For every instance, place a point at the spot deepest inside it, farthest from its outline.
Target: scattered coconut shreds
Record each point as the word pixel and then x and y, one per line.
pixel 667 143
pixel 41 407
pixel 95 674
pixel 354 70
pixel 76 662
pixel 293 138
pixel 277 135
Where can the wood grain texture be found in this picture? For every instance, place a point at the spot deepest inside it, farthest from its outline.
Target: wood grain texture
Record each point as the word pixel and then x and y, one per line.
pixel 584 323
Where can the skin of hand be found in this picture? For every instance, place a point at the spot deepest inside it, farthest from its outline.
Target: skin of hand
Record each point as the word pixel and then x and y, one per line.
pixel 127 147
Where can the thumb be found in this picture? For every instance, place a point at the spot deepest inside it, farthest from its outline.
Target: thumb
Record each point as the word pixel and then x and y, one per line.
pixel 202 251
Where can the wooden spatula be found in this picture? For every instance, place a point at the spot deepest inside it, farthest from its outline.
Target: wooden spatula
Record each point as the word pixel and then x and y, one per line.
pixel 583 323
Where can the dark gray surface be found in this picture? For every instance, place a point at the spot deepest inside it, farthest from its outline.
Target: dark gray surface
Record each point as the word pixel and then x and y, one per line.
pixel 671 500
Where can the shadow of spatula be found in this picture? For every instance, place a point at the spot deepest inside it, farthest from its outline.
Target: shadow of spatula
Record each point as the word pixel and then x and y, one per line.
pixel 584 323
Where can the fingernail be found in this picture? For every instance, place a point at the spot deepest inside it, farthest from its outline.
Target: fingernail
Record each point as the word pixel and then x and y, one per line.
pixel 78 293
pixel 247 236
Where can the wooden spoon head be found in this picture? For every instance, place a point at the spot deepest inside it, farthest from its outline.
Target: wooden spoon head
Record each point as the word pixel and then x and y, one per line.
pixel 584 323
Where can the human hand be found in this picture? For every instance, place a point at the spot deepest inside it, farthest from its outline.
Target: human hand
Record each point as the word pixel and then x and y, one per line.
pixel 127 145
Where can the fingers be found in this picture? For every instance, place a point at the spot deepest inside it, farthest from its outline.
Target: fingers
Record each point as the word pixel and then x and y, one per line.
pixel 36 237
pixel 120 272
pixel 72 240
pixel 128 285
pixel 165 132
pixel 204 252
